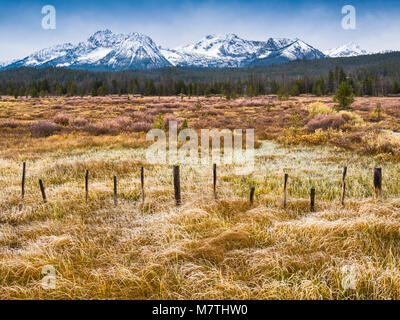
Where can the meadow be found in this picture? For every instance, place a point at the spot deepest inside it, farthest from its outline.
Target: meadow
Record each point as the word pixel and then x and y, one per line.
pixel 205 248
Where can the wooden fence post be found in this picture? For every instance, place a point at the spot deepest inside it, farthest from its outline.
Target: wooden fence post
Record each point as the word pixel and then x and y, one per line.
pixel 378 182
pixel 252 190
pixel 177 186
pixel 344 184
pixel 142 181
pixel 312 199
pixel 284 189
pixel 23 182
pixel 87 186
pixel 215 180
pixel 42 191
pixel 115 191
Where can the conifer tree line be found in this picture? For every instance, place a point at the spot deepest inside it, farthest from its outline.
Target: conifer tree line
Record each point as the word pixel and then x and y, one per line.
pixel 376 75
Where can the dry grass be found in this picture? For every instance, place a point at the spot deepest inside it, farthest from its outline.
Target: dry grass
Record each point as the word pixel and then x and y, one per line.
pixel 205 249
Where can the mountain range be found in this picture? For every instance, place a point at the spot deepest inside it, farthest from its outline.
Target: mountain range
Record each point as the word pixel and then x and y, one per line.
pixel 105 51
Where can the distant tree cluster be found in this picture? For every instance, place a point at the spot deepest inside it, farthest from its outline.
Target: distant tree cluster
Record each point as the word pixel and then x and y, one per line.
pixel 375 75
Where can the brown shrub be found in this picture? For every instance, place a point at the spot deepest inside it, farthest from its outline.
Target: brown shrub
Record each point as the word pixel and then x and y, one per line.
pixel 141 126
pixel 62 119
pixel 206 111
pixel 159 110
pixel 324 122
pixel 114 126
pixel 9 123
pixel 143 117
pixel 43 128
pixel 79 122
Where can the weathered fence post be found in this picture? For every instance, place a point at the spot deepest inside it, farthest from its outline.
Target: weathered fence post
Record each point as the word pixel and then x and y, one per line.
pixel 87 186
pixel 215 180
pixel 23 182
pixel 344 184
pixel 115 191
pixel 42 191
pixel 284 189
pixel 312 199
pixel 142 181
pixel 378 182
pixel 252 190
pixel 177 186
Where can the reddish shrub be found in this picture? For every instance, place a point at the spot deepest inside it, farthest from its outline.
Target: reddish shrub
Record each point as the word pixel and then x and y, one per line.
pixel 9 123
pixel 141 126
pixel 206 111
pixel 79 122
pixel 62 119
pixel 324 122
pixel 143 117
pixel 43 128
pixel 100 128
pixel 159 110
pixel 114 126
pixel 168 118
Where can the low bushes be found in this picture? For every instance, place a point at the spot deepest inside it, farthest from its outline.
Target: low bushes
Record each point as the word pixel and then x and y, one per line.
pixel 62 119
pixel 9 123
pixel 79 122
pixel 324 122
pixel 43 128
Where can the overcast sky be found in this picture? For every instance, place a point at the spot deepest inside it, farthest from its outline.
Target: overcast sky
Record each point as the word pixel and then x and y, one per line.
pixel 173 23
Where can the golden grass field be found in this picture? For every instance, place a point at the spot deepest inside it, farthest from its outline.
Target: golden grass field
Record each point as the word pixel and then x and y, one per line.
pixel 204 249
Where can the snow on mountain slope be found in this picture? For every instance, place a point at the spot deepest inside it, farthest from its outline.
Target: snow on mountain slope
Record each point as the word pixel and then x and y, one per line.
pixel 102 51
pixel 213 51
pixel 105 50
pixel 298 49
pixel 231 51
pixel 136 51
pixel 347 50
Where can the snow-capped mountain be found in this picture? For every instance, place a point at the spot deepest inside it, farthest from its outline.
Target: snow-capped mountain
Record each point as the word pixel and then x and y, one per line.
pixel 102 51
pixel 105 50
pixel 6 63
pixel 231 51
pixel 348 50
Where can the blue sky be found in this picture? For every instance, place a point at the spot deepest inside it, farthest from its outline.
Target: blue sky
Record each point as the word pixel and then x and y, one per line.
pixel 173 23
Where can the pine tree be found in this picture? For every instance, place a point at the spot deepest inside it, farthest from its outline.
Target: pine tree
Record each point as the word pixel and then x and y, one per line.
pixel 344 96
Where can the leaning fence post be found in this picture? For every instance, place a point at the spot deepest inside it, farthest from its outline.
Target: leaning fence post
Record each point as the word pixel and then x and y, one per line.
pixel 115 191
pixel 23 182
pixel 344 184
pixel 177 185
pixel 142 181
pixel 42 191
pixel 312 199
pixel 284 190
pixel 215 180
pixel 252 190
pixel 378 182
pixel 87 186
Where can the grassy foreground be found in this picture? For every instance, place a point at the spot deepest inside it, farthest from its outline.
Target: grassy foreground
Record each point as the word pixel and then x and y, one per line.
pixel 205 249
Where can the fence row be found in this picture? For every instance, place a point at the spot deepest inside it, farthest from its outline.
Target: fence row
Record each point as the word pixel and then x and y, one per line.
pixel 177 187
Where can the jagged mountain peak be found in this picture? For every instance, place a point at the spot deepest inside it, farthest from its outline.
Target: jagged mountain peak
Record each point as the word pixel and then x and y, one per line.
pixel 105 50
pixel 350 49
